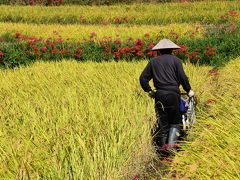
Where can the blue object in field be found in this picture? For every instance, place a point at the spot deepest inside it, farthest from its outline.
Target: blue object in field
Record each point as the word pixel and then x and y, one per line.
pixel 183 106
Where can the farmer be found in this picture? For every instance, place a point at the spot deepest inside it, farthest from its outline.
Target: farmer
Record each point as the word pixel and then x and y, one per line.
pixel 167 73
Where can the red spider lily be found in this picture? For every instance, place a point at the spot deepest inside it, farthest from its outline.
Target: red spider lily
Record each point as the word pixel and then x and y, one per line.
pixel 150 45
pixel 44 49
pixel 32 2
pixel 137 48
pixel 183 49
pixel 193 56
pixel 93 35
pixel 50 43
pixel 209 51
pixel 139 42
pixel 128 50
pixel 1 54
pixel 232 13
pixel 152 53
pixel 117 55
pixel 139 54
pixel 107 50
pixel 77 56
pixel 31 40
pixel 17 35
pixel 78 53
pixel 79 50
pixel 36 50
pixel 54 51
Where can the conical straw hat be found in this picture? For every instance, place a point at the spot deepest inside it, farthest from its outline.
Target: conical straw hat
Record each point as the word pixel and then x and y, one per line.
pixel 165 44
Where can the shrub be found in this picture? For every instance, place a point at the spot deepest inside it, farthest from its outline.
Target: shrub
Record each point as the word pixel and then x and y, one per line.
pixel 14 55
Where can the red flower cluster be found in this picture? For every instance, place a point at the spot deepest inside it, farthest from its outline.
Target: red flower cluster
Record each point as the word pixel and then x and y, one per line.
pixel 1 56
pixel 50 46
pixel 151 53
pixel 193 56
pixel 30 40
pixel 122 51
pixel 107 48
pixel 209 51
pixel 137 49
pixel 183 49
pixel 232 13
pixel 78 53
pixel 44 49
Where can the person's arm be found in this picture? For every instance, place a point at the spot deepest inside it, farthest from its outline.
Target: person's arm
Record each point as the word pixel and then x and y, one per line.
pixel 182 77
pixel 145 77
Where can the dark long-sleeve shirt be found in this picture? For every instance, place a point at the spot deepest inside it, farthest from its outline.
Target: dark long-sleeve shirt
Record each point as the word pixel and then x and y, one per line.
pixel 167 74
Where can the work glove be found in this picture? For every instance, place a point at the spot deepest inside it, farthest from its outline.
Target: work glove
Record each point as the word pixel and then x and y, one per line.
pixel 151 94
pixel 191 93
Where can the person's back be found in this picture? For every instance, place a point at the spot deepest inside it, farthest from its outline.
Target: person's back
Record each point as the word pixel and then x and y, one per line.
pixel 167 74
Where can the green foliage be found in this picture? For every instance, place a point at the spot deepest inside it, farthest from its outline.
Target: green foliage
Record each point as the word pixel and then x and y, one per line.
pixel 92 51
pixel 15 55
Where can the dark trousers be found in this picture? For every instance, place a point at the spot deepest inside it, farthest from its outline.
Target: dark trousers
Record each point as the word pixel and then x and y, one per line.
pixel 168 115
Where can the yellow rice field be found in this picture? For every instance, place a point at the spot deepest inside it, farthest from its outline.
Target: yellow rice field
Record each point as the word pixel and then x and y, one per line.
pixel 78 120
pixel 79 32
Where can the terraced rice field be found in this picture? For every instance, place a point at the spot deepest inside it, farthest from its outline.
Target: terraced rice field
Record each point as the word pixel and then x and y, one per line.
pixel 86 120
